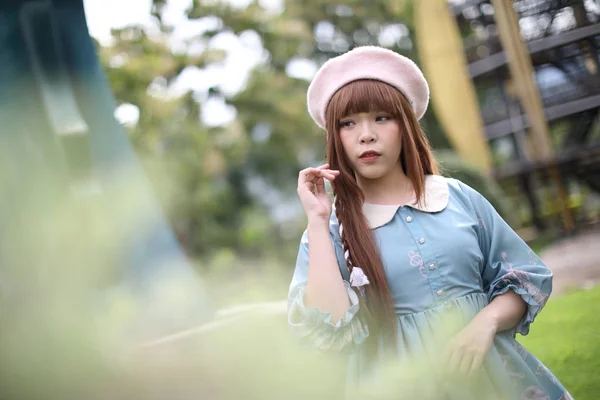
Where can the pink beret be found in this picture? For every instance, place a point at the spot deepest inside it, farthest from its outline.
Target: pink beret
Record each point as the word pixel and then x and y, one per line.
pixel 367 62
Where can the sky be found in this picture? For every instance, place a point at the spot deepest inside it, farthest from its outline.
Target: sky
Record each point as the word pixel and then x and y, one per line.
pixel 244 52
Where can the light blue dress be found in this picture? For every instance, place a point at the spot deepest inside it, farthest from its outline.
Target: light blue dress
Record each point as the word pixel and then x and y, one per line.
pixel 451 257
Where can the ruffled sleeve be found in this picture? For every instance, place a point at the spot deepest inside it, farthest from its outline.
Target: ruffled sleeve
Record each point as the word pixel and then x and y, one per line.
pixel 314 326
pixel 509 263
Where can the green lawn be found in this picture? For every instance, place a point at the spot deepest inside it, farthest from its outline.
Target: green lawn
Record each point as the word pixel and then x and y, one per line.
pixel 566 337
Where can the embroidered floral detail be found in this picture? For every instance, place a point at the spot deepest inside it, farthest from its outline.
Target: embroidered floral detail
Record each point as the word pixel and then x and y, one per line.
pixel 417 261
pixel 521 279
pixel 520 349
pixel 543 371
pixel 504 256
pixel 533 258
pixel 482 223
pixel 516 375
pixel 534 393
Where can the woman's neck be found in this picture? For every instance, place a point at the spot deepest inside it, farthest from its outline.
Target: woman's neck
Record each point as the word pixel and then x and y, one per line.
pixel 394 188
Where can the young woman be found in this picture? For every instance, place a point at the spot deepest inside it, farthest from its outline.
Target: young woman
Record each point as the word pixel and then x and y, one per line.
pixel 409 264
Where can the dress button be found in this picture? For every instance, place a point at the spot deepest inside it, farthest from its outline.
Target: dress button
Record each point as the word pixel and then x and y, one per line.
pixel 409 219
pixel 439 292
pixel 432 266
pixel 422 240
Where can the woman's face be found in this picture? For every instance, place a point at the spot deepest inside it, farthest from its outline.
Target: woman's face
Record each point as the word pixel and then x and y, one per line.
pixel 372 143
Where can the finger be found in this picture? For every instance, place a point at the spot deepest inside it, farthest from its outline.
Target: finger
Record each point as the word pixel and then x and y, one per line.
pixel 310 171
pixel 313 177
pixel 320 186
pixel 307 175
pixel 311 186
pixel 317 170
pixel 453 361
pixel 301 177
pixel 466 360
pixel 330 172
pixel 306 189
pixel 305 182
pixel 329 177
pixel 476 364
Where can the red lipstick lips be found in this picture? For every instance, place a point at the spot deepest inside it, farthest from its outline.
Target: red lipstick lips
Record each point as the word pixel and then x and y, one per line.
pixel 369 155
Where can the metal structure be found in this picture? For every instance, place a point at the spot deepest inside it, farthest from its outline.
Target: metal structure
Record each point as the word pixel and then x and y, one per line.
pixel 546 163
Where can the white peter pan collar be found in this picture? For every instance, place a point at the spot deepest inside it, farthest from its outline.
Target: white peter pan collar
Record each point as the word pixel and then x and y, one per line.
pixel 435 199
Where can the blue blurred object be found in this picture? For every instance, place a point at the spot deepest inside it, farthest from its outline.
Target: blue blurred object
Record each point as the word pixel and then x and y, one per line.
pixel 59 139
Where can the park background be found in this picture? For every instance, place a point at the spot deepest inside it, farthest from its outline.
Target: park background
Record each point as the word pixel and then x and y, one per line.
pixel 211 97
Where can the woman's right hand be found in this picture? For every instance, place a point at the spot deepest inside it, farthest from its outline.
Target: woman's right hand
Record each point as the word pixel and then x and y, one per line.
pixel 311 190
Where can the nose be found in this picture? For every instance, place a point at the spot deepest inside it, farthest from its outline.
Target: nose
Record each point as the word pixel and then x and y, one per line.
pixel 367 133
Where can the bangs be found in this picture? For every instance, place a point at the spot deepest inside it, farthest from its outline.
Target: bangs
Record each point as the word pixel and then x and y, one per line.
pixel 363 96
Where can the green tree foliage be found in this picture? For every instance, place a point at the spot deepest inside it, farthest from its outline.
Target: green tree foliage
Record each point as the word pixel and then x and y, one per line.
pixel 191 166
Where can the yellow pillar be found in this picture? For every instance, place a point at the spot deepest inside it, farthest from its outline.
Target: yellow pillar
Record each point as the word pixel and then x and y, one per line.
pixel 521 71
pixel 452 93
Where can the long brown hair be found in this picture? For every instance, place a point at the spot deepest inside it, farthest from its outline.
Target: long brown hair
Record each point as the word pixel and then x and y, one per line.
pixel 416 159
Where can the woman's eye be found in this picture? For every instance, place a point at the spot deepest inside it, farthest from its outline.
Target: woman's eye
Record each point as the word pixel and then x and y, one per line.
pixel 346 124
pixel 381 118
